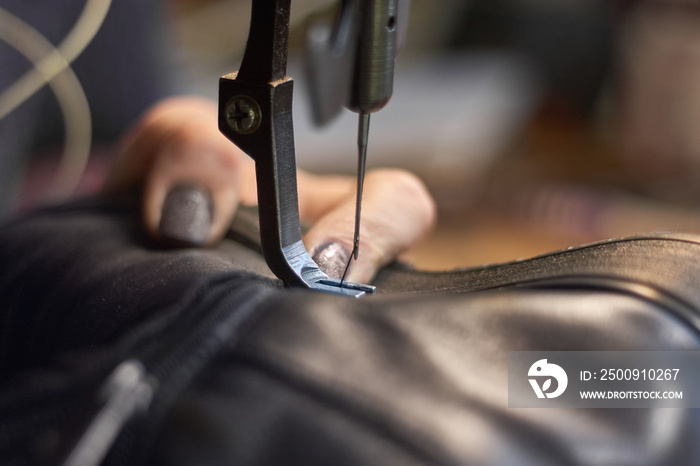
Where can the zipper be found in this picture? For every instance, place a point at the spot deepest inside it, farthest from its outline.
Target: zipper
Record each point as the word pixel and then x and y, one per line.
pixel 132 389
pixel 127 391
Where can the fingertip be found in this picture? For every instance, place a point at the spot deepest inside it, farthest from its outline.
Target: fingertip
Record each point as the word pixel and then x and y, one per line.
pixel 404 185
pixel 186 215
pixel 188 207
pixel 397 211
pixel 192 191
pixel 332 257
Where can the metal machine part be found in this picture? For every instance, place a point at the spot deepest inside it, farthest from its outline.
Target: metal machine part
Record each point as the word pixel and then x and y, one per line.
pixel 351 62
pixel 373 72
pixel 255 113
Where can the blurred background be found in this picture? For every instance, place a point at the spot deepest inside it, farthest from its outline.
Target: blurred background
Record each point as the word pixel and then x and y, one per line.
pixel 536 124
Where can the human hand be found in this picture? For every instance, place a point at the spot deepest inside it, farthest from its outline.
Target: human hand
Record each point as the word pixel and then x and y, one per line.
pixel 193 179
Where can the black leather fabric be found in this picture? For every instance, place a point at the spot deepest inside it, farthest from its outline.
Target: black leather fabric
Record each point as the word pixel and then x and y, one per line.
pixel 414 375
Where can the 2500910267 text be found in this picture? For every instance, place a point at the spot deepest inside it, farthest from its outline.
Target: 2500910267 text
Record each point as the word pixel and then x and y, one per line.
pixel 631 374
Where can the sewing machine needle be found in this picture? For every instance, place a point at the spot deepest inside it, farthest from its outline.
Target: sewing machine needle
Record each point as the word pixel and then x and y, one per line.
pixel 362 136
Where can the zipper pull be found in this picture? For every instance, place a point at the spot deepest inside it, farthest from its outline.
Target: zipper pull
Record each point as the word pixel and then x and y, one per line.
pixel 127 391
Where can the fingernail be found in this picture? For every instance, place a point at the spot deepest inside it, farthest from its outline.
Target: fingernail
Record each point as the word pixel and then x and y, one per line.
pixel 332 258
pixel 186 216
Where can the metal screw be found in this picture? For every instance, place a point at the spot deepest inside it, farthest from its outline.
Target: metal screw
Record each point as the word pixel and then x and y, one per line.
pixel 243 114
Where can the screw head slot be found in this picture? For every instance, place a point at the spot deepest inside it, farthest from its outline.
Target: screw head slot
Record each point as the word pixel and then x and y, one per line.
pixel 243 114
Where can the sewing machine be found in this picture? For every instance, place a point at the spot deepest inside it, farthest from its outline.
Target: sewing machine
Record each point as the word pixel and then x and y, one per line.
pixel 355 55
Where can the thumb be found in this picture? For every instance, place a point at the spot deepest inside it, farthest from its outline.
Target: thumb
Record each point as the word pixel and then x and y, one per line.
pixel 397 211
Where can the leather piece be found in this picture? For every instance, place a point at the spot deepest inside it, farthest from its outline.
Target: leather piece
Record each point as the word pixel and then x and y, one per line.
pixel 430 374
pixel 84 273
pixel 416 374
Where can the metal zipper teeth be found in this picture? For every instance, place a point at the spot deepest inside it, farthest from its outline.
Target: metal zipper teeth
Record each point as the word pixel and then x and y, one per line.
pixel 187 355
pixel 127 391
pixel 186 358
pixel 71 397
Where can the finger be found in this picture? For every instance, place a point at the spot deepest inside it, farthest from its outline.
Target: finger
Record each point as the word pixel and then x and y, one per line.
pixel 193 177
pixel 397 211
pixel 192 191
